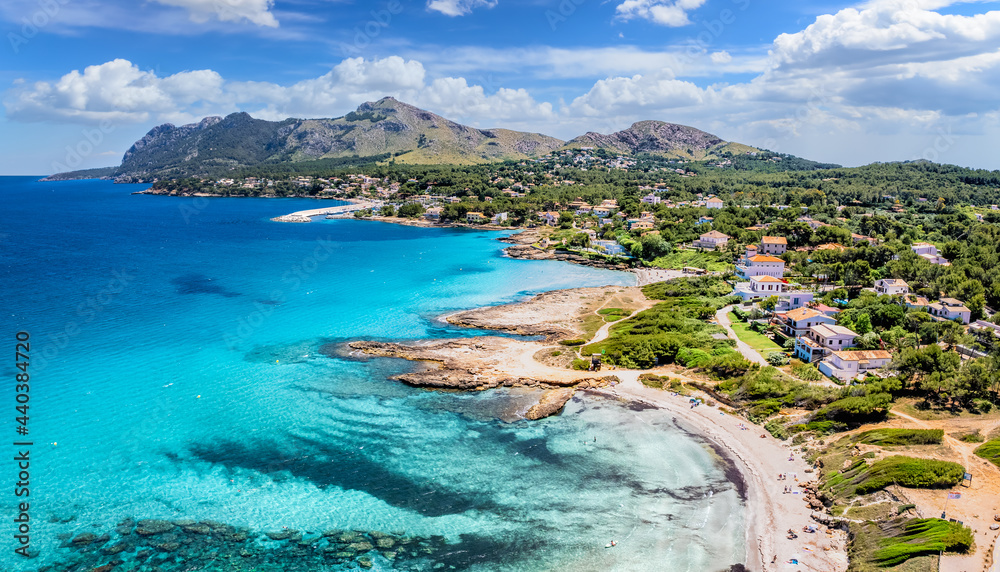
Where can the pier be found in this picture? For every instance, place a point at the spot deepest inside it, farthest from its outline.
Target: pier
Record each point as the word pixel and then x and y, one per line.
pixel 306 216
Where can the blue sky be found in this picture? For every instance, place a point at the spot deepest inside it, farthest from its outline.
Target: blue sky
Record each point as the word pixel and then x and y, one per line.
pixel 843 82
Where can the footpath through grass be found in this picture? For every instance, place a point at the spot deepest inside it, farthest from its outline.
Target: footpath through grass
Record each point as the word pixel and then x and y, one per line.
pixel 759 342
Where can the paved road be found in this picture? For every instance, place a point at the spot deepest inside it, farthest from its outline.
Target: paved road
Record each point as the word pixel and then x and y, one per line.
pixel 722 318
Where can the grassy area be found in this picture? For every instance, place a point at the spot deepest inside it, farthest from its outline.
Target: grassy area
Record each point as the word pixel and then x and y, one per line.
pixel 886 437
pixel 591 323
pixel 677 260
pixel 905 544
pixel 900 470
pixel 613 314
pixel 759 342
pixel 990 451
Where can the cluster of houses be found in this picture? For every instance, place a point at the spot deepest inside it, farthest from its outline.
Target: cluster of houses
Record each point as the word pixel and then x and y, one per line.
pixel 818 338
pixel 764 275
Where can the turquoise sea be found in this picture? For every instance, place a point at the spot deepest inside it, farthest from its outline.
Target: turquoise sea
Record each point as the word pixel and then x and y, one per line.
pixel 182 368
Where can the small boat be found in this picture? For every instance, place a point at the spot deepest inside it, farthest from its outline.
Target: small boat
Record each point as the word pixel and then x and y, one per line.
pixel 612 544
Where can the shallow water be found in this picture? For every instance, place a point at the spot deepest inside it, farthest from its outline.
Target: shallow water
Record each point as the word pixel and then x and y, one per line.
pixel 177 373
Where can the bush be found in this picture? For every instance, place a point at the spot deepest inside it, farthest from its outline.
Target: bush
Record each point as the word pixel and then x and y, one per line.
pixel 910 472
pixel 651 380
pixel 900 437
pixel 556 353
pixel 728 365
pixel 807 372
pixel 574 342
pixel 777 358
pixel 990 451
pixel 975 437
pixel 692 357
pixel 581 364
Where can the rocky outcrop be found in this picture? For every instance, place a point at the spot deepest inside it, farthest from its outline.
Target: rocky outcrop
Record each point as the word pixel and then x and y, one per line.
pixel 529 252
pixel 551 403
pixel 655 137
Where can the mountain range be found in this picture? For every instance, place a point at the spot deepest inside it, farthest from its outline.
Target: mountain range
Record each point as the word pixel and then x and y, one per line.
pixel 378 130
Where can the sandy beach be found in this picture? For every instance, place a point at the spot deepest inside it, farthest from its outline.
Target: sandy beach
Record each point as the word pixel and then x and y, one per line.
pixel 486 363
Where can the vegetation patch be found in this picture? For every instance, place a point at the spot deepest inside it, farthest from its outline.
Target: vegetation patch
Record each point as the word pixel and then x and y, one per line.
pixel 908 472
pixel 573 342
pixel 613 314
pixel 990 451
pixel 886 437
pixel 923 536
pixel 656 336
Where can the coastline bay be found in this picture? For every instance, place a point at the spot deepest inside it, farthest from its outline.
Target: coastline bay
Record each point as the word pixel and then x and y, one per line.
pixel 195 388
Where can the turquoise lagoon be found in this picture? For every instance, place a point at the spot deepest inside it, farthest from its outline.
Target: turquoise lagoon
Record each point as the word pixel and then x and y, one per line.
pixel 181 369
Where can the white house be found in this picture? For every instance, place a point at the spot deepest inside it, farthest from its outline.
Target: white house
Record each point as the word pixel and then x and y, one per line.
pixel 797 322
pixel 832 337
pixel 950 309
pixel 499 218
pixel 774 245
pixel 610 247
pixel 433 213
pixel 651 199
pixel 760 265
pixel 715 203
pixel 602 212
pixel 767 286
pixel 849 365
pixel 929 252
pixel 891 287
pixel 713 240
pixel 550 218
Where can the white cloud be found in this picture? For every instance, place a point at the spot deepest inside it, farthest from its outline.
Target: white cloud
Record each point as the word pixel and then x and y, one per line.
pixel 255 11
pixel 722 57
pixel 458 7
pixel 673 13
pixel 119 91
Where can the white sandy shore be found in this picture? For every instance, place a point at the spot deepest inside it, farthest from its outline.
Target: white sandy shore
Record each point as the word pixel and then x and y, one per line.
pixel 770 511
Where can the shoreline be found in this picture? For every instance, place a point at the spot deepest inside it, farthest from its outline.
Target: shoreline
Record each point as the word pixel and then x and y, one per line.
pixel 485 363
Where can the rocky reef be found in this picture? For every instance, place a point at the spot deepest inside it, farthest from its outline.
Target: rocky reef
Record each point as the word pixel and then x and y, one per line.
pixel 167 545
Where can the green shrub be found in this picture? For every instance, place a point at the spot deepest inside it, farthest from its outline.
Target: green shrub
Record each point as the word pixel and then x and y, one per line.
pixel 777 358
pixel 975 437
pixel 990 451
pixel 910 472
pixel 728 365
pixel 581 364
pixel 573 342
pixel 807 372
pixel 651 380
pixel 905 507
pixel 777 429
pixel 556 353
pixel 900 437
pixel 692 357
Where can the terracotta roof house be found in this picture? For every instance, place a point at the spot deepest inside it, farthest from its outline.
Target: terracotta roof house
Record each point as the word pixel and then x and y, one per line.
pixel 849 365
pixel 713 240
pixel 776 245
